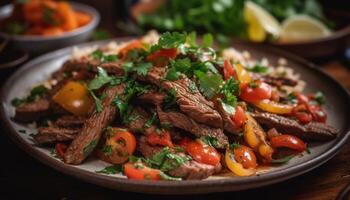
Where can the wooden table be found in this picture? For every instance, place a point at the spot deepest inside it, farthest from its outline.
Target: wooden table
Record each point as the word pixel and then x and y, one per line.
pixel 22 176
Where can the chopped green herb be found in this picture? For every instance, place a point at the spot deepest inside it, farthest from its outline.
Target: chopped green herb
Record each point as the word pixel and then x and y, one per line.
pixel 170 99
pixel 107 150
pixel 113 169
pixel 228 108
pixel 212 141
pixel 142 68
pixel 235 145
pixel 100 80
pixel 166 177
pixel 282 160
pixel 98 102
pixel 207 40
pixel 192 88
pixel 98 55
pixel 258 69
pixel 292 98
pixel 320 98
pixel 253 85
pixel 34 95
pixel 209 84
pixel 169 40
pixel 192 39
pixel 16 102
pixel 229 90
pixel 151 121
pixel 89 148
pixel 172 74
pixel 100 34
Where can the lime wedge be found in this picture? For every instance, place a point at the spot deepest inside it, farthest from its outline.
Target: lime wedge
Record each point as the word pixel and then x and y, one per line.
pixel 301 28
pixel 260 22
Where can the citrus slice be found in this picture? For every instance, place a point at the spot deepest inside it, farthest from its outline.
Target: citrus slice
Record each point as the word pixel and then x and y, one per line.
pixel 260 22
pixel 301 28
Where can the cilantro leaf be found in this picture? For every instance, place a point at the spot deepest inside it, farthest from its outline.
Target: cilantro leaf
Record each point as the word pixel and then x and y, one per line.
pixel 207 40
pixel 169 40
pixel 113 169
pixel 320 98
pixel 209 84
pixel 98 102
pixel 211 140
pixel 142 68
pixel 282 160
pixel 170 99
pixel 89 148
pixel 98 55
pixel 100 80
pixel 229 90
pixel 107 150
pixel 166 177
pixel 258 69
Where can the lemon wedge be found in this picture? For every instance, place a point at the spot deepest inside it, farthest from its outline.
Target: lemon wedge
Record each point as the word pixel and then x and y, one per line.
pixel 260 22
pixel 301 28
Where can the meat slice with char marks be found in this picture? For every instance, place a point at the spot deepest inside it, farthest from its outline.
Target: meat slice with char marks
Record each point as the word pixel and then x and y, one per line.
pixel 182 121
pixel 93 127
pixel 312 131
pixel 70 121
pixel 50 135
pixel 32 111
pixel 190 170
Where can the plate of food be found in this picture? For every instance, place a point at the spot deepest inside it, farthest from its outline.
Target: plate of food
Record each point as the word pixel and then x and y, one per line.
pixel 41 26
pixel 310 28
pixel 164 114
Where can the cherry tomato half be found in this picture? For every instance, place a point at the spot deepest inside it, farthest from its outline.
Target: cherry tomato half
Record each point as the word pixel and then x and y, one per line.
pixel 60 149
pixel 257 93
pixel 139 171
pixel 203 153
pixel 288 141
pixel 318 114
pixel 161 57
pixel 245 156
pixel 302 114
pixel 239 117
pixel 120 144
pixel 162 139
pixel 228 70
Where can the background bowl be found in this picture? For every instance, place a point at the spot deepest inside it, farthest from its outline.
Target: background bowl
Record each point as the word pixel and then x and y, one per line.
pixel 40 44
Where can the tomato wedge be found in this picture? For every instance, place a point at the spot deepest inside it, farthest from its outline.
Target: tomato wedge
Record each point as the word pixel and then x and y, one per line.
pixel 161 57
pixel 162 139
pixel 139 171
pixel 239 117
pixel 136 44
pixel 228 70
pixel 75 98
pixel 60 149
pixel 203 153
pixel 120 144
pixel 288 141
pixel 259 92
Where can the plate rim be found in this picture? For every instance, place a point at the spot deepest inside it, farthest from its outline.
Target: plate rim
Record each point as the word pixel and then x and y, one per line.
pixel 164 187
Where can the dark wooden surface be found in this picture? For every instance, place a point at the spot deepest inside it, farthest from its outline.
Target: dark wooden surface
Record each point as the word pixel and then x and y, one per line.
pixel 21 176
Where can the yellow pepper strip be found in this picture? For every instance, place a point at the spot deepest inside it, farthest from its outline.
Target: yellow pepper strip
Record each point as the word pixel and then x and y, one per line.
pixel 242 74
pixel 255 137
pixel 235 167
pixel 274 107
pixel 75 98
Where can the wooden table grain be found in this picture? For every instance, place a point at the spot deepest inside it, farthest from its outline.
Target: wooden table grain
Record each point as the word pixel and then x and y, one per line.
pixel 21 176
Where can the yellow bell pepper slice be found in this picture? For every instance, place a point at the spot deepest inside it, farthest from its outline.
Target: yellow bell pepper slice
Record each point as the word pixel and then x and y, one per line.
pixel 242 74
pixel 235 167
pixel 255 137
pixel 274 107
pixel 74 97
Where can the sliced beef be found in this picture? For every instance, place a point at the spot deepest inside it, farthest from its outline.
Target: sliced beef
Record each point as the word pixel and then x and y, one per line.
pixel 191 170
pixel 32 111
pixel 182 121
pixel 312 131
pixel 93 127
pixel 152 97
pixel 228 123
pixel 279 81
pixel 111 67
pixel 138 124
pixel 49 135
pixel 70 121
pixel 193 104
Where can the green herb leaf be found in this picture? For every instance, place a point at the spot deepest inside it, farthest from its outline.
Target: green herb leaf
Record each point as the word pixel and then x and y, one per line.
pixel 320 98
pixel 172 75
pixel 192 88
pixel 107 150
pixel 209 84
pixel 258 69
pixel 98 55
pixel 113 169
pixel 142 68
pixel 235 145
pixel 229 90
pixel 207 40
pixel 166 177
pixel 98 102
pixel 211 140
pixel 151 121
pixel 89 148
pixel 169 40
pixel 100 80
pixel 165 160
pixel 228 108
pixel 16 102
pixel 100 34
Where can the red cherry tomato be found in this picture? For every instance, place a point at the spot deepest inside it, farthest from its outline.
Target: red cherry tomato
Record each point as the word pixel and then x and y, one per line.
pixel 260 92
pixel 302 114
pixel 60 149
pixel 318 114
pixel 161 57
pixel 239 117
pixel 288 141
pixel 203 153
pixel 162 139
pixel 139 171
pixel 245 156
pixel 228 70
pixel 302 99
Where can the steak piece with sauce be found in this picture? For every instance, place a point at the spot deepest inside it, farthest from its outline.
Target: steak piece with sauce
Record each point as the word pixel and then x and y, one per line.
pixel 51 135
pixel 32 111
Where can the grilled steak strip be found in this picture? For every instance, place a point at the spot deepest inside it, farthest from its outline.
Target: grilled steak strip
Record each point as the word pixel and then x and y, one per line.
pixel 93 127
pixel 312 131
pixel 279 81
pixel 70 121
pixel 182 121
pixel 32 111
pixel 49 135
pixel 191 170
